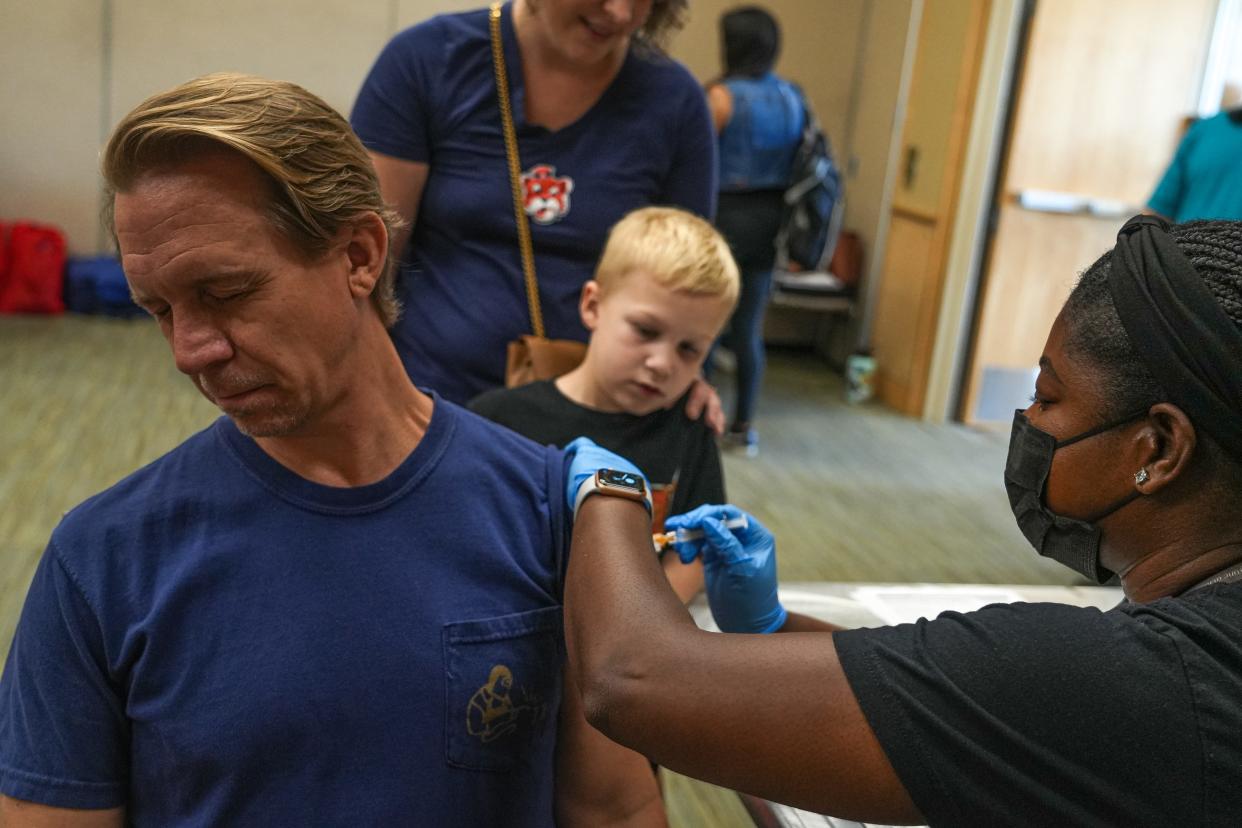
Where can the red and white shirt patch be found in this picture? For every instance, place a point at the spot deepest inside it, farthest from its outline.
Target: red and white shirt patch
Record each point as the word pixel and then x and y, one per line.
pixel 546 194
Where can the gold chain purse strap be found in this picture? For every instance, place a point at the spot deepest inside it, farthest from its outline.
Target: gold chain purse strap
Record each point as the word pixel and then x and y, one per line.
pixel 515 172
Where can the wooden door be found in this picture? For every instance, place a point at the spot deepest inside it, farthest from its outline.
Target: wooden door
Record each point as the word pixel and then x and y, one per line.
pixel 1102 98
pixel 941 99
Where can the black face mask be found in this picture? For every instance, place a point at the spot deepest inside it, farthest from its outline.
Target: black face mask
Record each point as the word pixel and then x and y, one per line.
pixel 1074 543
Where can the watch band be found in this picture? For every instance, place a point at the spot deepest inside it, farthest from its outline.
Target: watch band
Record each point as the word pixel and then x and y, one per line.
pixel 614 483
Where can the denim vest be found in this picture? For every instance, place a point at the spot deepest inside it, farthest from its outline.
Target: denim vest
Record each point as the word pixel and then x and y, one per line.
pixel 758 144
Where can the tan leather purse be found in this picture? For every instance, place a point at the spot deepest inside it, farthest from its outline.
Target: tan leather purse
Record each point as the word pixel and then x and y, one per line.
pixel 531 356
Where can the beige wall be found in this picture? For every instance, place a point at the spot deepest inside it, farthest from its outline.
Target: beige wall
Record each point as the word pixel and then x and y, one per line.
pixel 71 68
pixel 73 74
pixel 821 40
pixel 50 97
pixel 325 46
pixel 847 55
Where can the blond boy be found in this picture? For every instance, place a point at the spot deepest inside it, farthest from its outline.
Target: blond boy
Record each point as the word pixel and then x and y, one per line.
pixel 662 291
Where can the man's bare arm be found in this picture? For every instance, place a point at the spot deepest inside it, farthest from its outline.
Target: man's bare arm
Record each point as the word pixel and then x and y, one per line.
pixel 685 579
pixel 18 813
pixel 773 715
pixel 598 782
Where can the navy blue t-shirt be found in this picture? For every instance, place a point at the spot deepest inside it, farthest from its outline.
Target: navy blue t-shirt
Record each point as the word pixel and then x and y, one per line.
pixel 216 640
pixel 431 98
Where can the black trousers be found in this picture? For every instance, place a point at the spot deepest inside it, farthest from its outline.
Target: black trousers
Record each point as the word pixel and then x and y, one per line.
pixel 749 222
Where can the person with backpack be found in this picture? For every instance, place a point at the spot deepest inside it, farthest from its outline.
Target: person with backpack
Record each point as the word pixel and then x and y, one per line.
pixel 759 118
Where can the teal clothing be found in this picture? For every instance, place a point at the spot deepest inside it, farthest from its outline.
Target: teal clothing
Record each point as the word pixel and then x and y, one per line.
pixel 1204 180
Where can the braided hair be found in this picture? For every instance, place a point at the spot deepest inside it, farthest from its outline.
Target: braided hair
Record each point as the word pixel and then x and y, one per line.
pixel 1095 335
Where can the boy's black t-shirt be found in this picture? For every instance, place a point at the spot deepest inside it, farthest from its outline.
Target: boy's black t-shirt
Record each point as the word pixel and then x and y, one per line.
pixel 678 455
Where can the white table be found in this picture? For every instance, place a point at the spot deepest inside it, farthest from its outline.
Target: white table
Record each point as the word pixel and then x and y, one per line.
pixel 873 605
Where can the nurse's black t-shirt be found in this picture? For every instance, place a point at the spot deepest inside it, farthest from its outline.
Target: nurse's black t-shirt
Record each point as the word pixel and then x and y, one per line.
pixel 1045 714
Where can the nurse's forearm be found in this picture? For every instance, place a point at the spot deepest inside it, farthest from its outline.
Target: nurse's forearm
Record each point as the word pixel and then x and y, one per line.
pixel 805 623
pixel 735 710
pixel 618 604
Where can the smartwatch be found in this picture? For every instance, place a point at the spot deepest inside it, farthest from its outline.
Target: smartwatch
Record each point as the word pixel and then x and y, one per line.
pixel 615 483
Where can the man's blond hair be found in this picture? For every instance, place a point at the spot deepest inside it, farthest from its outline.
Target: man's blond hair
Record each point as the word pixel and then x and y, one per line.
pixel 321 176
pixel 678 249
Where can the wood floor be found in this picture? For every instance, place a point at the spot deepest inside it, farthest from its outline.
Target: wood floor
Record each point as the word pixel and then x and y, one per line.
pixel 853 493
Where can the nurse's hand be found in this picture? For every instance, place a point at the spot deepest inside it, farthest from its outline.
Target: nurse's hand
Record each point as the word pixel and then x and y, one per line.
pixel 739 566
pixel 586 458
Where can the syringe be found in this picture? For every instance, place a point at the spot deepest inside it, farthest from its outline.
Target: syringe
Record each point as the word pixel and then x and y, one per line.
pixel 662 540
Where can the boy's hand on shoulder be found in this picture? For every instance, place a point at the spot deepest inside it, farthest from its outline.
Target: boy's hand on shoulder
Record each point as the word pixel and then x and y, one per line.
pixel 704 402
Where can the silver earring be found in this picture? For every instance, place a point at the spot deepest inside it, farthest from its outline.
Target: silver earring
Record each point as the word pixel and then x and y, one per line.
pixel 1140 476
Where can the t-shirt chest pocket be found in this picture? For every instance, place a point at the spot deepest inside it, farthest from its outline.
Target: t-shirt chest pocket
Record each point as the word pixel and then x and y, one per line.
pixel 503 684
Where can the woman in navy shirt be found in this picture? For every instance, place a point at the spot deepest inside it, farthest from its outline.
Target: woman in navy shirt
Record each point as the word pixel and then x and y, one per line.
pixel 605 123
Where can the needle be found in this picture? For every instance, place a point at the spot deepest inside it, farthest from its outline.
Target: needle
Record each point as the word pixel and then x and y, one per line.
pixel 661 540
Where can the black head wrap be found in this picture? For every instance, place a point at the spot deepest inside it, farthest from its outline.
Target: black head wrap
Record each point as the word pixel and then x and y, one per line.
pixel 1179 330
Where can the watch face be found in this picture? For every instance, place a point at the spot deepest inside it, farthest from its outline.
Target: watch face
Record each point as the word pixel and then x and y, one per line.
pixel 621 480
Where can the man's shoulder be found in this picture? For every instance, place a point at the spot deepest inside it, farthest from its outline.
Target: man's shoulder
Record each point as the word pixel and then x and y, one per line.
pixel 485 456
pixel 486 422
pixel 162 472
pixel 149 492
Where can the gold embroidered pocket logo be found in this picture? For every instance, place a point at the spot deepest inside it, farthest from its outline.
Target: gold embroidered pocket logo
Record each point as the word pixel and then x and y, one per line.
pixel 496 709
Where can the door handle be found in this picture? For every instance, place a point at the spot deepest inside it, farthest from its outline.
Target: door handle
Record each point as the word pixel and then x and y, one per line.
pixel 1073 204
pixel 911 167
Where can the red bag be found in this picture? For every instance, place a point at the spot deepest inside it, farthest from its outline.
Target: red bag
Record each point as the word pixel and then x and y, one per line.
pixel 4 256
pixel 34 257
pixel 847 259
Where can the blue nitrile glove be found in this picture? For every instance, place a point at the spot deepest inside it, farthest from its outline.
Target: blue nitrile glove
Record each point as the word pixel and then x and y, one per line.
pixel 739 566
pixel 586 458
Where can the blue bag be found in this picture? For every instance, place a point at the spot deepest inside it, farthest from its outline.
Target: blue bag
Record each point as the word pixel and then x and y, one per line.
pixel 96 284
pixel 814 202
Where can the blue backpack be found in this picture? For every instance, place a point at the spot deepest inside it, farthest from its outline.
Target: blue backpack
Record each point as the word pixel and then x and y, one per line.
pixel 96 284
pixel 814 201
